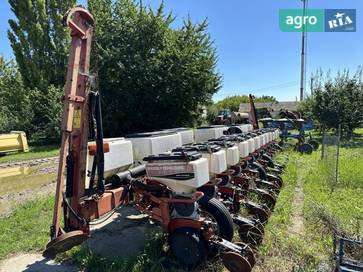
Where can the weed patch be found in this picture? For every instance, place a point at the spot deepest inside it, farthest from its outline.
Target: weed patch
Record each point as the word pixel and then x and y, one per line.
pixel 27 228
pixel 35 152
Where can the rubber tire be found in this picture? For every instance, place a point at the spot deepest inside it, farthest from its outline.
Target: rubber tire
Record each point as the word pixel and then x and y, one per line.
pixel 314 143
pixel 225 180
pixel 305 148
pixel 221 215
pixel 188 246
pixel 209 191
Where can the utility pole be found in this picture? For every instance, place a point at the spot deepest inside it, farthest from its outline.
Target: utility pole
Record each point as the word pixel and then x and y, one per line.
pixel 302 75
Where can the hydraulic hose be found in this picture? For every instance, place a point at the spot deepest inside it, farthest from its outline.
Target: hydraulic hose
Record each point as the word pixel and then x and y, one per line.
pixel 99 145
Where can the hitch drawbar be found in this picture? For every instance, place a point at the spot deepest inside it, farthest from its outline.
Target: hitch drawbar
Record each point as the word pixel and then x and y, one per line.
pixel 236 257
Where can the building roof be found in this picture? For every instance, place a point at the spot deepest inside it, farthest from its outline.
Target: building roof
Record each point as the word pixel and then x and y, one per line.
pixel 274 106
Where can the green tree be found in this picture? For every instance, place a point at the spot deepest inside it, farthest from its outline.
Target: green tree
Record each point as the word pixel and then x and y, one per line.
pixel 40 44
pixel 36 112
pixel 151 75
pixel 232 103
pixel 337 101
pixel 46 121
pixel 39 41
pixel 15 106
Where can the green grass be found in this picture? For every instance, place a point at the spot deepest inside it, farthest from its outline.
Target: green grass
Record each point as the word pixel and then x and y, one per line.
pixel 325 205
pixel 281 251
pixel 27 229
pixel 35 152
pixel 334 207
pixel 153 257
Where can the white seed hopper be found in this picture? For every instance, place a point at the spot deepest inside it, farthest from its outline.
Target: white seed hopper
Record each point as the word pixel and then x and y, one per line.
pixel 251 145
pixel 187 134
pixel 205 133
pixel 231 149
pixel 183 174
pixel 240 142
pixel 153 143
pixel 243 148
pixel 118 159
pixel 265 139
pixel 232 154
pixel 262 140
pixel 217 159
pixel 276 134
pixel 217 162
pixel 248 127
pixel 256 140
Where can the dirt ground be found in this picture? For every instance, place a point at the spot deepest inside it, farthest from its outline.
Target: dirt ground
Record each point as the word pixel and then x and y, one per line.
pixel 297 226
pixel 8 201
pixel 30 162
pixel 34 178
pixel 34 262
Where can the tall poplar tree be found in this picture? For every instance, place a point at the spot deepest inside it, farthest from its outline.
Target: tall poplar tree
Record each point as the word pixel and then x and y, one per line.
pixel 40 42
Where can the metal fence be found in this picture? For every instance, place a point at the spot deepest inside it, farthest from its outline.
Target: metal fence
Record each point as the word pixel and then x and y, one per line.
pixel 330 157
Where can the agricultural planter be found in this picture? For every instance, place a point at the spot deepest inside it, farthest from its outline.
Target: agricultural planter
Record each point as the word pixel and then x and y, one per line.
pixel 165 188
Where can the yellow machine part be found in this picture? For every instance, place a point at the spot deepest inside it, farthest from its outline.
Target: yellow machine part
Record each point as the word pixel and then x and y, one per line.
pixel 14 171
pixel 13 141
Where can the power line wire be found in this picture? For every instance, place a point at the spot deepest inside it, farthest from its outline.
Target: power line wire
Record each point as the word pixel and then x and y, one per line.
pixel 271 87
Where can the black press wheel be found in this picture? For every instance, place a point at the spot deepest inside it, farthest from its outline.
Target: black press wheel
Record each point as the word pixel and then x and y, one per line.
pixel 214 210
pixel 314 143
pixel 305 148
pixel 225 179
pixel 209 190
pixel 188 246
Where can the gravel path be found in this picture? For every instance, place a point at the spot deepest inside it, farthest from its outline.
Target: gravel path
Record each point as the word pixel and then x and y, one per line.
pixel 29 162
